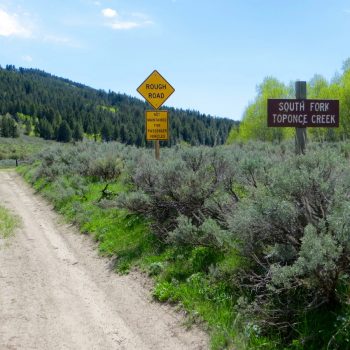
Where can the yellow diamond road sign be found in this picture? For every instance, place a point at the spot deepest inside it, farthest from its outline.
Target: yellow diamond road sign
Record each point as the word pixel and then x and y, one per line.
pixel 157 126
pixel 155 89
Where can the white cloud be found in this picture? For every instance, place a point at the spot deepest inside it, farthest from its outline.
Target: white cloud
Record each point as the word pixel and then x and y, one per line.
pixel 124 25
pixel 135 20
pixel 27 58
pixel 10 25
pixel 56 39
pixel 127 25
pixel 23 25
pixel 61 40
pixel 139 15
pixel 109 13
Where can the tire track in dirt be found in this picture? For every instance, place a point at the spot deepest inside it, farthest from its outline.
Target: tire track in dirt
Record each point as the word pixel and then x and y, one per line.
pixel 57 293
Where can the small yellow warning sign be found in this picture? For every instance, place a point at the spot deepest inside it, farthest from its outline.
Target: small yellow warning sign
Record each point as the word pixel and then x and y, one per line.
pixel 157 126
pixel 155 89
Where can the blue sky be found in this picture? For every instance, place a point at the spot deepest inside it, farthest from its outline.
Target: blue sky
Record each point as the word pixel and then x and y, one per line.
pixel 214 53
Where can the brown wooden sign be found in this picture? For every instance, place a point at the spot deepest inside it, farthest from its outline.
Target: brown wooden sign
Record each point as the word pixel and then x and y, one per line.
pixel 302 113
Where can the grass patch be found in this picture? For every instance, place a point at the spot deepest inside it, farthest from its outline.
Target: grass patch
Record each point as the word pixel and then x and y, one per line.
pixel 204 300
pixel 8 222
pixel 19 148
pixel 188 278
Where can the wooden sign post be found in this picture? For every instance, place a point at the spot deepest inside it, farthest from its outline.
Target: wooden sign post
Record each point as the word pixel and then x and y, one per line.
pixel 156 90
pixel 157 149
pixel 302 113
pixel 300 133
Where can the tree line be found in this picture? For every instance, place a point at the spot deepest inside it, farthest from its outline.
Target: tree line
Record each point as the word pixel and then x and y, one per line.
pixel 254 121
pixel 8 126
pixel 59 109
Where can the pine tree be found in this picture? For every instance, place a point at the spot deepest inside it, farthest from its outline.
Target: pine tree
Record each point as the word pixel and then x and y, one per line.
pixel 123 134
pixel 106 132
pixel 78 132
pixel 45 130
pixel 8 127
pixel 64 132
pixel 4 127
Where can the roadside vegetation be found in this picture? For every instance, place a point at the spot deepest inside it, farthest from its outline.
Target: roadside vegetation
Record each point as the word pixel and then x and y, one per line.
pixel 8 222
pixel 254 121
pixel 20 149
pixel 252 241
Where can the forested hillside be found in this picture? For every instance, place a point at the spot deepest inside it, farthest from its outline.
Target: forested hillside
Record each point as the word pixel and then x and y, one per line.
pixel 57 108
pixel 254 122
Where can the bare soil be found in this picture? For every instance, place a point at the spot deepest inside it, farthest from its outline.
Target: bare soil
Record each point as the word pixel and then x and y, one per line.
pixel 57 293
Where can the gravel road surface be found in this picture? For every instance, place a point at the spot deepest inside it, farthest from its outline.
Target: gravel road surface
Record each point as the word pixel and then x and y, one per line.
pixel 57 293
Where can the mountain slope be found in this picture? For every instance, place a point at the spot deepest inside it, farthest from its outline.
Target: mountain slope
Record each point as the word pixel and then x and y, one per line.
pixel 44 101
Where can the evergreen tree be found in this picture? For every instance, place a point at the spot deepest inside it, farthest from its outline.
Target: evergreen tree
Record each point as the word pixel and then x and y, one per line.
pixel 14 130
pixel 123 134
pixel 8 127
pixel 78 132
pixel 64 132
pixel 116 133
pixel 45 130
pixel 4 127
pixel 106 132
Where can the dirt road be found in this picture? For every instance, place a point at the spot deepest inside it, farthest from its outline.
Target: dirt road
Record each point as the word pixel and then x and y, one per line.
pixel 57 293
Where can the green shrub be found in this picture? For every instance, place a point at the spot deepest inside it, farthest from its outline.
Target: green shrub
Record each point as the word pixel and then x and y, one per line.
pixel 296 232
pixel 182 196
pixel 105 169
pixel 251 222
